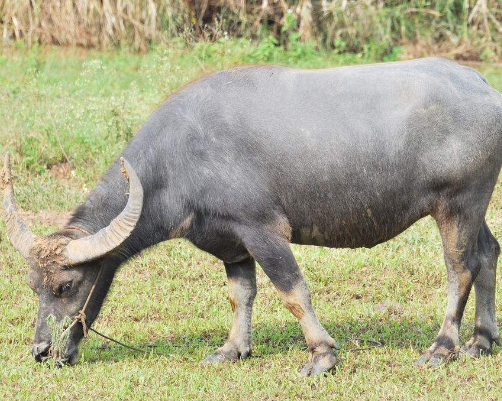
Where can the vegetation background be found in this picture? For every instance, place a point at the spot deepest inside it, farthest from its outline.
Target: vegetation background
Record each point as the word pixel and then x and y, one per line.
pixel 78 79
pixel 464 29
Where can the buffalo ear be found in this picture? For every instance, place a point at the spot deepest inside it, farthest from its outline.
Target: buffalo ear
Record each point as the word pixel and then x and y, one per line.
pixel 17 231
pixel 109 238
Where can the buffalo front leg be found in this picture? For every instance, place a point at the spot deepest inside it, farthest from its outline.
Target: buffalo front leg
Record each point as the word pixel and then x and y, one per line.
pixel 274 255
pixel 460 246
pixel 241 294
pixel 485 331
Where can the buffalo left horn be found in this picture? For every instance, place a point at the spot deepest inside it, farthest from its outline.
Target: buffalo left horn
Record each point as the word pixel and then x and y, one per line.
pixel 19 234
pixel 109 238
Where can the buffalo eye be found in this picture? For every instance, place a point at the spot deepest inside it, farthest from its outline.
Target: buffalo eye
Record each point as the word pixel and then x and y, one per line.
pixel 65 287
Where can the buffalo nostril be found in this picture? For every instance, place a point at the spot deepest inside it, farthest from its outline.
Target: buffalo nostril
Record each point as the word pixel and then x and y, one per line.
pixel 40 351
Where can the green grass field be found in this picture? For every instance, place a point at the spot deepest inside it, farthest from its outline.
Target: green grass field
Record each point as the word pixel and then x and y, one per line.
pixel 65 115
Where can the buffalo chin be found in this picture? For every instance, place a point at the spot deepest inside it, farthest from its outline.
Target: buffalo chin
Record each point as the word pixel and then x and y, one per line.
pixel 70 359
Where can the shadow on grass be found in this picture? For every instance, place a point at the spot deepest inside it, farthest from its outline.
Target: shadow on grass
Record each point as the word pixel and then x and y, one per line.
pixel 271 339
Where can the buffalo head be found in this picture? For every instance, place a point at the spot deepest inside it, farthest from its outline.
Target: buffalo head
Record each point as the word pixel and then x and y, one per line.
pixel 65 264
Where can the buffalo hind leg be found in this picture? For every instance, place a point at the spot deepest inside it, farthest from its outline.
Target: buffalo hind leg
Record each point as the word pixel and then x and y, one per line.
pixel 274 255
pixel 485 331
pixel 459 234
pixel 241 294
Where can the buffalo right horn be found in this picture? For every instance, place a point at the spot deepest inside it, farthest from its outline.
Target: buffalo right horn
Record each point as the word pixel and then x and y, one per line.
pixel 107 239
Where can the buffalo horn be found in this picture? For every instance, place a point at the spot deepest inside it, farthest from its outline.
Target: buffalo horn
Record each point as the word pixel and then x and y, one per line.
pixel 109 238
pixel 18 233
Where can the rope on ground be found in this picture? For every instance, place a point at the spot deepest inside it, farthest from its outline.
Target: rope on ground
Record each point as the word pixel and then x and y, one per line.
pixel 129 346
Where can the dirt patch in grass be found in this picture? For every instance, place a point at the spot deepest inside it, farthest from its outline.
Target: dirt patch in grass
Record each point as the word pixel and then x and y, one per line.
pixel 46 217
pixel 61 171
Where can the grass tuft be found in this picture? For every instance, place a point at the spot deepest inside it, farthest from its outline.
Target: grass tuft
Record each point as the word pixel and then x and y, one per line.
pixel 59 335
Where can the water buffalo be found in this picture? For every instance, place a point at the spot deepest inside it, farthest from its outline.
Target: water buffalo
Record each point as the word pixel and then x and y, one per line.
pixel 247 160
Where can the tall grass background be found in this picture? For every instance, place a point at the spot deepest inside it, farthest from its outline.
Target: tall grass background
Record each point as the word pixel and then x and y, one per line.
pixel 464 29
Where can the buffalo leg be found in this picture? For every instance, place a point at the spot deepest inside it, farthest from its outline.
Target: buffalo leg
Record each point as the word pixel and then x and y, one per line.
pixel 241 294
pixel 460 245
pixel 274 255
pixel 485 331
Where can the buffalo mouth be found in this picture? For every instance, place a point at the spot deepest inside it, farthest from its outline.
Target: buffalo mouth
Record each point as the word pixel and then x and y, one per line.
pixel 70 359
pixel 42 352
pixel 62 362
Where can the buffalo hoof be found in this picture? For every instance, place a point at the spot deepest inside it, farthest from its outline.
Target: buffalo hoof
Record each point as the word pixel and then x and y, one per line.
pixel 437 357
pixel 216 358
pixel 322 359
pixel 478 346
pixel 225 354
pixel 426 360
